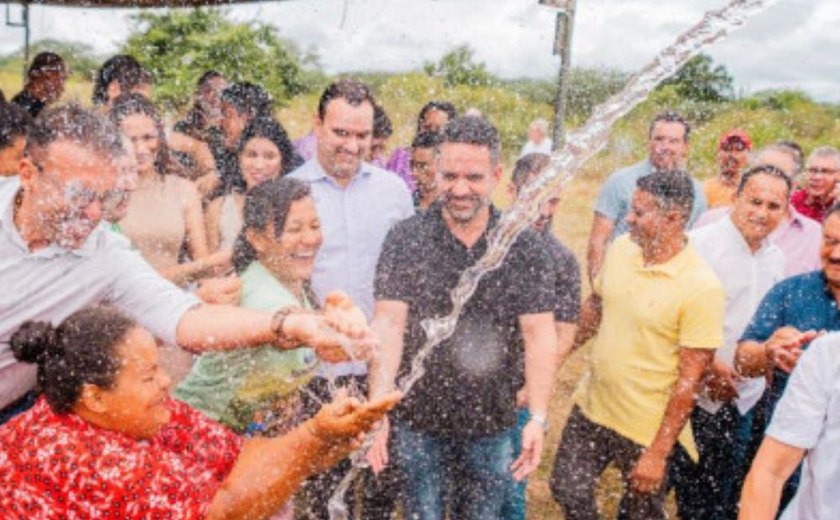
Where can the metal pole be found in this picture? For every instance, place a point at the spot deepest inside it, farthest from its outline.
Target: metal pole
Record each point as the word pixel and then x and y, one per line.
pixel 565 25
pixel 25 38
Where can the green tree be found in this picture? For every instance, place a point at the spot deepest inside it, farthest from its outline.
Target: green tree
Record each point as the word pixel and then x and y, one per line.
pixel 701 80
pixel 178 46
pixel 79 56
pixel 457 67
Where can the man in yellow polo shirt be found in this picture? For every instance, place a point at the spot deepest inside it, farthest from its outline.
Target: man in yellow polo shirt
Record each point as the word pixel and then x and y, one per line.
pixel 657 308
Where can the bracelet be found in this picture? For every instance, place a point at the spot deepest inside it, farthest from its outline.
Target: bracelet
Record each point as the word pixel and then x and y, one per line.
pixel 540 419
pixel 277 321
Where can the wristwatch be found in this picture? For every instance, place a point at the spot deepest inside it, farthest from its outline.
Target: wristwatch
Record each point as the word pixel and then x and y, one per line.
pixel 277 321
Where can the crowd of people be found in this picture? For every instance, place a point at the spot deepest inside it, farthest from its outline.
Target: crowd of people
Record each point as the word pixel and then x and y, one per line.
pixel 202 321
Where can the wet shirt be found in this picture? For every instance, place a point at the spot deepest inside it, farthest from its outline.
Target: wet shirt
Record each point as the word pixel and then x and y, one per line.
pixel 567 280
pixel 28 102
pixel 471 378
pixel 59 466
pixel 746 276
pixel 354 221
pixel 812 210
pixel 235 385
pixel 650 313
pixel 52 283
pixel 803 302
pixel 808 417
pixel 617 193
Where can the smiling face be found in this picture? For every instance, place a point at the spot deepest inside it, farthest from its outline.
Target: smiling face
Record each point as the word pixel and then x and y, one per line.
pixel 760 207
pixel 290 255
pixel 136 404
pixel 667 145
pixel 344 138
pixel 67 185
pixel 260 160
pixel 830 251
pixel 466 179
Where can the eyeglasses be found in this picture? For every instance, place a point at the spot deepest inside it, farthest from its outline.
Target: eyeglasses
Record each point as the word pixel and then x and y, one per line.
pixel 78 196
pixel 821 171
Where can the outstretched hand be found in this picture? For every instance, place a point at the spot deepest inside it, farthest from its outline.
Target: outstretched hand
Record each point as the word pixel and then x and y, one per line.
pixel 785 346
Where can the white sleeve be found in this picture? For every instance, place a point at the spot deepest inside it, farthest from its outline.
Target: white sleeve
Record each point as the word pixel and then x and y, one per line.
pixel 800 416
pixel 146 297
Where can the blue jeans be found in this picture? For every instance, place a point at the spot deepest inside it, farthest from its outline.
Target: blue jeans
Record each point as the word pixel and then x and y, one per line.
pixel 469 477
pixel 514 506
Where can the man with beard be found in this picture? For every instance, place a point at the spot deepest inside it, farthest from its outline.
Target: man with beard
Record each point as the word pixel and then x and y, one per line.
pixel 791 315
pixel 57 259
pixel 357 204
pixel 567 300
pixel 748 264
pixel 821 173
pixel 453 442
pixel 657 308
pixel 667 151
pixel 732 157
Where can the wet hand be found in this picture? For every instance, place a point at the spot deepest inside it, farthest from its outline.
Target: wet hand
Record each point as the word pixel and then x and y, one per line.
pixel 784 347
pixel 348 418
pixel 649 472
pixel 722 381
pixel 533 437
pixel 345 316
pixel 377 455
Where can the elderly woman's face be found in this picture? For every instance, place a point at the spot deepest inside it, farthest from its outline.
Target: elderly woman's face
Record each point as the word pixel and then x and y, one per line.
pixel 136 405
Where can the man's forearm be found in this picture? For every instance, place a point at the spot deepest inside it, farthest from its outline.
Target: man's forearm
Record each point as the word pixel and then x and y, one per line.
pixel 386 364
pixel 682 400
pixel 590 321
pixel 540 339
pixel 761 496
pixel 751 359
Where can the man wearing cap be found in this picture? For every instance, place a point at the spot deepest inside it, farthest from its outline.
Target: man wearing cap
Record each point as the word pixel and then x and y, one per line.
pixel 732 157
pixel 821 171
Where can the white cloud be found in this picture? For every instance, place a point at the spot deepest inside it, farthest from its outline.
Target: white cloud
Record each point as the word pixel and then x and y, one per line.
pixel 793 44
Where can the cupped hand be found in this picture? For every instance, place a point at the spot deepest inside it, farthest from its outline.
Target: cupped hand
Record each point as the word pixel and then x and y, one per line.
pixel 784 347
pixel 221 291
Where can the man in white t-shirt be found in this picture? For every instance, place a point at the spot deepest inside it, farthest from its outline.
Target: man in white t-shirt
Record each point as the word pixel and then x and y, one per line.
pixel 806 425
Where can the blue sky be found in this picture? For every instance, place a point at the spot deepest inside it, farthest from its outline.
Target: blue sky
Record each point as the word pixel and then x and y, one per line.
pixel 793 44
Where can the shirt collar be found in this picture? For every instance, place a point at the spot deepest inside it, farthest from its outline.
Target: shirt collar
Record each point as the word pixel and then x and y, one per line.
pixel 435 212
pixel 673 266
pixel 10 189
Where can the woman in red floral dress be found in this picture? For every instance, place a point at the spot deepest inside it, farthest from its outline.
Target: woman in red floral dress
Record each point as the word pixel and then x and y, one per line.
pixel 106 441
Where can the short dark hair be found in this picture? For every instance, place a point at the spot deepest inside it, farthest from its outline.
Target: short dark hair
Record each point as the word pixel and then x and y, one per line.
pixel 426 140
pixel 268 202
pixel 382 128
pixel 528 165
pixel 248 98
pixel 81 350
pixel 443 106
pixel 351 90
pixel 671 117
pixel 764 169
pixel 473 130
pixel 76 124
pixel 269 128
pixel 14 123
pixel 45 62
pixel 123 69
pixel 671 189
pixel 207 77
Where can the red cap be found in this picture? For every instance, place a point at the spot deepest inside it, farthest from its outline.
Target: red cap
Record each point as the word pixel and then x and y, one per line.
pixel 735 135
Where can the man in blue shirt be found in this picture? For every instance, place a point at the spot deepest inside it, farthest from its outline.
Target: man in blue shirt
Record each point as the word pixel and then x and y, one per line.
pixel 667 151
pixel 357 204
pixel 793 313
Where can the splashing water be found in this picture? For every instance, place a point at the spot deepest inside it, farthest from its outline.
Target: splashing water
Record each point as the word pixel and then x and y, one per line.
pixel 580 146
